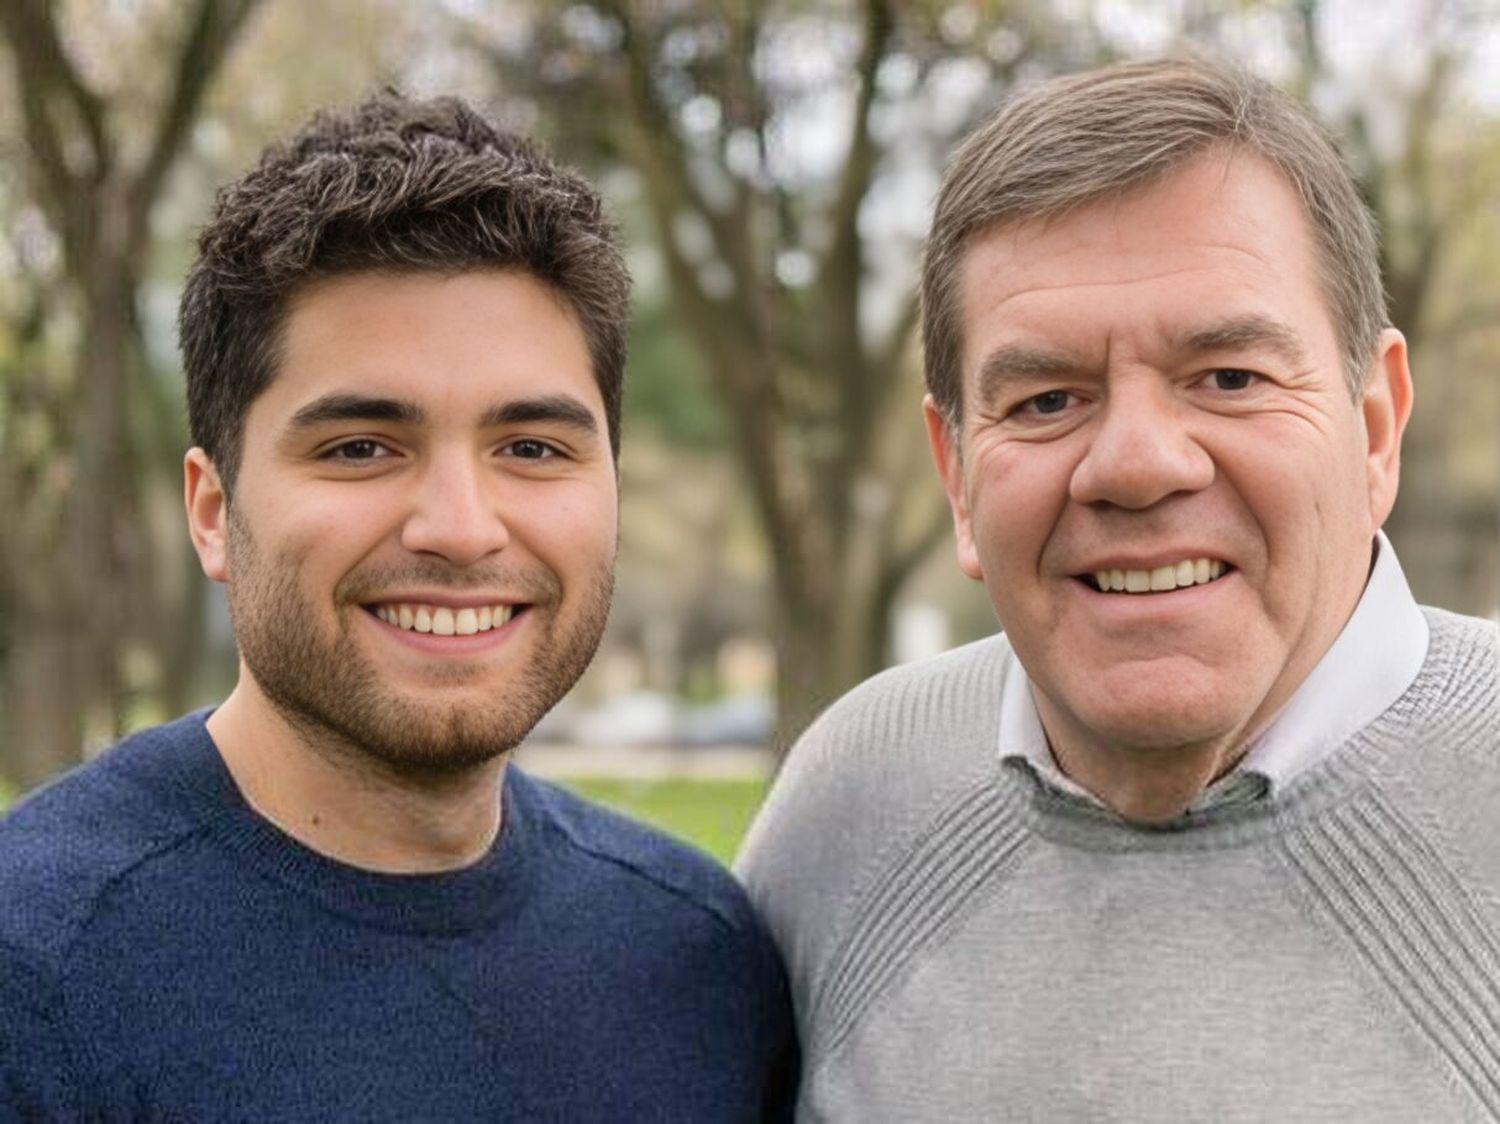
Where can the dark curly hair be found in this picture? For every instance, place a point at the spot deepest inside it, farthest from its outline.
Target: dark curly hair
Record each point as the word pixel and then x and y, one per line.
pixel 391 184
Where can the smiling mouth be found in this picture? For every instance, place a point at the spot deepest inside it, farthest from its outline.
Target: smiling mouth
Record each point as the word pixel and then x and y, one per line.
pixel 1162 579
pixel 440 620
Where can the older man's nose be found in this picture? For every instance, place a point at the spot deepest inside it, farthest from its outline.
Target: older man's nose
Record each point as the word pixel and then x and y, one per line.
pixel 1143 451
pixel 457 513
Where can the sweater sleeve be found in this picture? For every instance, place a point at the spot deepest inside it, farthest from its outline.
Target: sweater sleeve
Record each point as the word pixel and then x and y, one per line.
pixel 37 1078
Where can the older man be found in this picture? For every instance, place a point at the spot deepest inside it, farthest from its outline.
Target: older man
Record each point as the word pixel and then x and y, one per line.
pixel 329 899
pixel 1210 832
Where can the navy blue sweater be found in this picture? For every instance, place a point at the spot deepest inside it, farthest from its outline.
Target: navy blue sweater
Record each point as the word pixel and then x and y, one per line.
pixel 168 954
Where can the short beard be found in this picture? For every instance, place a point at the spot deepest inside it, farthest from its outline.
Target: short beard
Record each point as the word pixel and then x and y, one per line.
pixel 331 695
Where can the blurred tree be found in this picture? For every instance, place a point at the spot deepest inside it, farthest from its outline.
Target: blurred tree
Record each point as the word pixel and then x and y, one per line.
pixel 76 563
pixel 785 155
pixel 1428 161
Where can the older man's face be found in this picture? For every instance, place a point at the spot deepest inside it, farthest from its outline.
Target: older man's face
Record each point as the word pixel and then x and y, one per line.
pixel 1153 397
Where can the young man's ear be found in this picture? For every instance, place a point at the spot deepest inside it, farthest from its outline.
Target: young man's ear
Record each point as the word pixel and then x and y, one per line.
pixel 1386 406
pixel 947 456
pixel 207 513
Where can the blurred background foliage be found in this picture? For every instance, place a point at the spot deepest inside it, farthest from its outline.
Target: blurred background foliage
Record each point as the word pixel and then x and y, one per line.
pixel 772 165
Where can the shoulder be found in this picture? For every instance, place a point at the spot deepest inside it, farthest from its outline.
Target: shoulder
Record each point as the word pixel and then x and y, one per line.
pixel 63 846
pixel 1434 760
pixel 877 770
pixel 890 740
pixel 948 691
pixel 652 908
pixel 1463 660
pixel 611 850
pixel 907 722
pixel 1453 705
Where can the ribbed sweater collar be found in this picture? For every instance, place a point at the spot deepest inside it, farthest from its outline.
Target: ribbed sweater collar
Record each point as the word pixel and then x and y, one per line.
pixel 1440 700
pixel 449 903
pixel 1373 661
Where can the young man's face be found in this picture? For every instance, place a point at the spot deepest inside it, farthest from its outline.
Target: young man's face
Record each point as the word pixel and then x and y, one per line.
pixel 421 540
pixel 1154 381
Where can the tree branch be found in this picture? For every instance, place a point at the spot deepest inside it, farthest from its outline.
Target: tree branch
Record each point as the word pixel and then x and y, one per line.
pixel 906 557
pixel 841 270
pixel 669 157
pixel 215 25
pixel 47 79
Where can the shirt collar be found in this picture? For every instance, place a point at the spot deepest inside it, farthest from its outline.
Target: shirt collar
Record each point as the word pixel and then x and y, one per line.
pixel 1369 666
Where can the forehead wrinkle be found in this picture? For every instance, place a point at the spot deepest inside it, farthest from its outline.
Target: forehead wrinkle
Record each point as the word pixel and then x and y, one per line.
pixel 1115 281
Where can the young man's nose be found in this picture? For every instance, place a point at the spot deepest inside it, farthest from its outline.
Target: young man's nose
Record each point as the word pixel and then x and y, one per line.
pixel 1143 450
pixel 456 512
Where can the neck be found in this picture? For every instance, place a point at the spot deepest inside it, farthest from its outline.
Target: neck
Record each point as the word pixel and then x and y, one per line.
pixel 335 799
pixel 1145 784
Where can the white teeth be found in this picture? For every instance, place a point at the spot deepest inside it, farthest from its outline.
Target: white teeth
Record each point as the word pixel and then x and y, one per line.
pixel 1190 571
pixel 443 621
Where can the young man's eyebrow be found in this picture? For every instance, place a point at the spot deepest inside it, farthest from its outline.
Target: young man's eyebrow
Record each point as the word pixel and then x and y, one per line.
pixel 354 407
pixel 558 408
pixel 1239 333
pixel 562 409
pixel 1020 362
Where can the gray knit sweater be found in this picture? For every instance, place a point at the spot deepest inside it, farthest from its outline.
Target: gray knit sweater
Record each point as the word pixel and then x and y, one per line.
pixel 967 945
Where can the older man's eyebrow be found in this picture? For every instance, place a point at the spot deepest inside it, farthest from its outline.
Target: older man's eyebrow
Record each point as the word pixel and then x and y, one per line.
pixel 556 409
pixel 341 407
pixel 1012 363
pixel 1247 333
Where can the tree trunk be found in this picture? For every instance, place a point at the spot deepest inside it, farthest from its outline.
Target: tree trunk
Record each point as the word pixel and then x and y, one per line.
pixel 834 633
pixel 44 704
pixel 65 685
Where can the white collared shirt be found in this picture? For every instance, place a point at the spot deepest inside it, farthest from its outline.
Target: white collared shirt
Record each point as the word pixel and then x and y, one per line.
pixel 1374 660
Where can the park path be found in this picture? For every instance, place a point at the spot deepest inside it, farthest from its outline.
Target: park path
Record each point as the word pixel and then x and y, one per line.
pixel 645 762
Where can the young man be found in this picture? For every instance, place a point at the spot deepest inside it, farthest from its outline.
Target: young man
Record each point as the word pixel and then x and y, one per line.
pixel 1209 832
pixel 329 898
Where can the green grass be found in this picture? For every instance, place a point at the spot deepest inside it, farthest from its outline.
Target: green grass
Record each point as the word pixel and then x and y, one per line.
pixel 7 794
pixel 712 814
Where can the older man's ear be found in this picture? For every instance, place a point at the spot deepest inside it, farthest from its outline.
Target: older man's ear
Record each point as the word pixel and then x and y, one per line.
pixel 1386 406
pixel 948 456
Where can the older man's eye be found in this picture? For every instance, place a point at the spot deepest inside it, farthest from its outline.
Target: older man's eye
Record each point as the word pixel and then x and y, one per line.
pixel 1232 378
pixel 1052 402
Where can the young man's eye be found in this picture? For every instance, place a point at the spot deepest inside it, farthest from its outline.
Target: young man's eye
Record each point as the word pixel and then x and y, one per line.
pixel 360 449
pixel 1231 378
pixel 529 448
